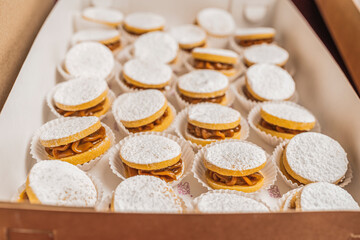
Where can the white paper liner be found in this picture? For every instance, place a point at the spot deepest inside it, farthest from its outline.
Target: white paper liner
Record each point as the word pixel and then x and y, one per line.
pixel 49 100
pixel 247 104
pixel 235 47
pixel 181 125
pixel 217 42
pixel 187 155
pixel 253 196
pixel 254 118
pixel 276 158
pixel 38 152
pixel 199 170
pixel 280 202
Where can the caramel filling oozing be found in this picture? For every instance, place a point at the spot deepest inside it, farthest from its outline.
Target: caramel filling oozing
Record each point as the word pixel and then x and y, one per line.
pixel 201 64
pixel 77 147
pixel 212 134
pixel 113 45
pixel 249 180
pixel 250 42
pixel 167 174
pixel 279 129
pixel 132 86
pixel 82 113
pixel 217 99
pixel 190 49
pixel 151 125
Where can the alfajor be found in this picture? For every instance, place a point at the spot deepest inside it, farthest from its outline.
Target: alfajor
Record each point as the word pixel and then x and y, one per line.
pixel 156 47
pixel 143 22
pixel 138 74
pixel 234 165
pixel 209 122
pixel 216 22
pixel 203 86
pixel 89 59
pixel 141 111
pixel 246 37
pixel 108 37
pixel 287 202
pixel 153 155
pixel 285 120
pixel 83 96
pixel 76 140
pixel 59 183
pixel 265 53
pixel 145 194
pixel 267 82
pixel 313 157
pixel 105 16
pixel 221 60
pixel 189 36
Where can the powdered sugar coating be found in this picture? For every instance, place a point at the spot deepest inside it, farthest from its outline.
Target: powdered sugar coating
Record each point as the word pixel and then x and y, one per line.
pixel 94 35
pixel 150 73
pixel 79 91
pixel 156 47
pixel 216 51
pixel 270 82
pixel 251 31
pixel 213 113
pixel 89 59
pixel 323 196
pixel 291 112
pixel 316 157
pixel 188 34
pixel 266 53
pixel 203 81
pixel 144 20
pixel 139 105
pixel 145 194
pixel 236 156
pixel 148 149
pixel 66 128
pixel 103 14
pixel 215 202
pixel 216 21
pixel 62 184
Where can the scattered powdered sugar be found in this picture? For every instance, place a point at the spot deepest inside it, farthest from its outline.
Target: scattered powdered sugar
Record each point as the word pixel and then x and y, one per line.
pixel 323 196
pixel 66 127
pixel 316 157
pixel 62 184
pixel 252 31
pixel 79 91
pixel 103 14
pixel 216 51
pixel 94 35
pixel 148 149
pixel 139 105
pixel 270 82
pixel 156 47
pixel 145 194
pixel 89 59
pixel 144 20
pixel 291 112
pixel 215 202
pixel 151 73
pixel 203 81
pixel 237 156
pixel 188 34
pixel 213 113
pixel 266 53
pixel 216 21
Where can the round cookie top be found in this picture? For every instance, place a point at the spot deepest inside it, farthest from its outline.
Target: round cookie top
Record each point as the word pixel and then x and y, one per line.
pixel 103 14
pixel 228 202
pixel 216 21
pixel 144 20
pixel 316 157
pixel 149 73
pixel 203 81
pixel 290 112
pixel 145 194
pixel 62 184
pixel 89 59
pixel 270 82
pixel 323 196
pixel 266 53
pixel 216 52
pixel 245 32
pixel 134 106
pixel 79 91
pixel 235 155
pixel 188 34
pixel 94 35
pixel 148 149
pixel 156 47
pixel 213 113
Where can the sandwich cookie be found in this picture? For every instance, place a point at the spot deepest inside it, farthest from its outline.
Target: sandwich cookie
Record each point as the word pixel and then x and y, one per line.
pixel 287 201
pixel 145 194
pixel 246 37
pixel 108 37
pixel 143 22
pixel 216 22
pixel 104 16
pixel 265 53
pixel 141 111
pixel 189 36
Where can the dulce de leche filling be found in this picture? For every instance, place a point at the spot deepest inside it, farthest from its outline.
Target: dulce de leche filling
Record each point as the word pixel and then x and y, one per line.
pixel 82 113
pixel 273 127
pixel 211 134
pixel 249 180
pixel 113 45
pixel 167 174
pixel 202 64
pixel 151 125
pixel 79 146
pixel 132 86
pixel 191 100
pixel 248 94
pixel 250 42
